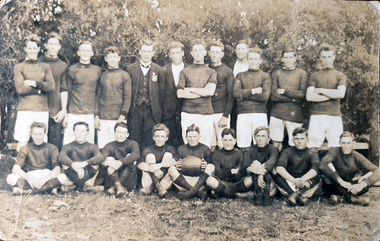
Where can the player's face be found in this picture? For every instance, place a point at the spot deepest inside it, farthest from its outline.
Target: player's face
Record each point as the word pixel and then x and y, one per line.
pixel 262 138
pixel 254 61
pixel 160 138
pixel 193 138
pixel 216 54
pixel 121 134
pixel 289 60
pixel 80 133
pixel 113 60
pixel 346 144
pixel 327 59
pixel 228 142
pixel 52 47
pixel 241 51
pixel 38 135
pixel 300 140
pixel 146 53
pixel 176 55
pixel 32 50
pixel 85 53
pixel 198 52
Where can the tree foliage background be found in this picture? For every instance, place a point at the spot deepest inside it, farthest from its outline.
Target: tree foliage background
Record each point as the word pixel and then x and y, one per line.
pixel 352 27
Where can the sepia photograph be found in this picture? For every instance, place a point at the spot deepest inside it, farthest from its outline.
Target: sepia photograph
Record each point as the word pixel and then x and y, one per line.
pixel 189 120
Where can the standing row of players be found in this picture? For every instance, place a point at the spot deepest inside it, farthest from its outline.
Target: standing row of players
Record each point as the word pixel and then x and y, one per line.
pixel 177 95
pixel 193 169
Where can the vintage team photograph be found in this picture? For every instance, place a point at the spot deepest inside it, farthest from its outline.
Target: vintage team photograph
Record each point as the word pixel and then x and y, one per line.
pixel 189 120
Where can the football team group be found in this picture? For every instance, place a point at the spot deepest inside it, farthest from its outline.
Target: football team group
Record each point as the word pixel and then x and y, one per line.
pixel 167 127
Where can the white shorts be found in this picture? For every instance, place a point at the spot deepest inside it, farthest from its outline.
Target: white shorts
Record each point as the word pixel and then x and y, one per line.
pixel 276 129
pixel 246 125
pixel 217 132
pixel 322 126
pixel 69 132
pixel 39 173
pixel 106 134
pixel 204 122
pixel 25 119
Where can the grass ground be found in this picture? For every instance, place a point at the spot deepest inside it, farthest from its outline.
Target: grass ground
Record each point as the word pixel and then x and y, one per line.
pixel 98 217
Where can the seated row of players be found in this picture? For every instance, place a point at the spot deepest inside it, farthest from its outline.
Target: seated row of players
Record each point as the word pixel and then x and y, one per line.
pixel 177 95
pixel 193 168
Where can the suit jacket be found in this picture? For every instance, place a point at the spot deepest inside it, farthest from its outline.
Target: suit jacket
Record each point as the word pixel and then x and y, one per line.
pixel 155 87
pixel 171 104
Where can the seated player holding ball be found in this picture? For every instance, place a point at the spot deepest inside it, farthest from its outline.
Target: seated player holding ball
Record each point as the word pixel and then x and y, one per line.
pixel 36 167
pixel 342 167
pixel 192 170
pixel 228 163
pixel 156 161
pixel 297 170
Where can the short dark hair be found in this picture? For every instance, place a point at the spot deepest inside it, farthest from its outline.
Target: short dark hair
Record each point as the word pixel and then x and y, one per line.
pixel 111 50
pixel 121 124
pixel 193 127
pixel 325 47
pixel 228 131
pixel 81 123
pixel 87 42
pixel 198 41
pixel 255 50
pixel 54 35
pixel 160 127
pixel 288 49
pixel 261 128
pixel 246 41
pixel 217 44
pixel 32 38
pixel 300 130
pixel 147 42
pixel 37 124
pixel 175 44
pixel 347 134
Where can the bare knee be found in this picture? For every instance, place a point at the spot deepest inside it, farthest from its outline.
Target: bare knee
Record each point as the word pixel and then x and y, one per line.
pixel 212 182
pixel 210 169
pixel 167 156
pixel 12 179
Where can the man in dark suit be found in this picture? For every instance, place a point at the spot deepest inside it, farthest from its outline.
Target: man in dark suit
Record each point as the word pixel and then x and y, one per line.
pixel 147 83
pixel 172 105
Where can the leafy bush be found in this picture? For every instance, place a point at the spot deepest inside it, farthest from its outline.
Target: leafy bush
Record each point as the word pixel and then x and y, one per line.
pixel 352 27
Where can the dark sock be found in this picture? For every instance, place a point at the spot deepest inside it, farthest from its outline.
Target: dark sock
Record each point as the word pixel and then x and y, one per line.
pixel 181 181
pixel 221 188
pixel 155 179
pixel 193 190
pixel 23 184
pixel 281 182
pixel 115 177
pixel 73 176
pixel 240 186
pixel 48 186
